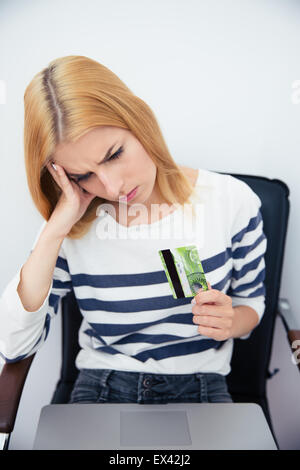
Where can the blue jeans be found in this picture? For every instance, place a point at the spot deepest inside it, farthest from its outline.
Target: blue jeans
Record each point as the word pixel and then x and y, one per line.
pixel 114 386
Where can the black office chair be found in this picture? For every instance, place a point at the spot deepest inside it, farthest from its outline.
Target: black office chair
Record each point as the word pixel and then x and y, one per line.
pixel 251 357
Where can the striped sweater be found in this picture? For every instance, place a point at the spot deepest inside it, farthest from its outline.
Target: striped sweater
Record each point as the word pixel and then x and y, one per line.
pixel 130 320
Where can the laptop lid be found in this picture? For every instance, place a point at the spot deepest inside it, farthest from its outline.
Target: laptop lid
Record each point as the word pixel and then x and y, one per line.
pixel 101 426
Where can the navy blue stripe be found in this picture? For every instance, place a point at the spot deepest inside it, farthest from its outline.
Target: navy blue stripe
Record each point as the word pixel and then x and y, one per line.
pixel 221 284
pixel 132 305
pixel 110 329
pixel 253 223
pixel 151 338
pixel 259 291
pixel 259 278
pixel 246 268
pixel 47 325
pixel 57 284
pixel 54 301
pixel 172 350
pixel 119 280
pixel 216 261
pixel 243 251
pixel 140 338
pixel 11 361
pixel 62 263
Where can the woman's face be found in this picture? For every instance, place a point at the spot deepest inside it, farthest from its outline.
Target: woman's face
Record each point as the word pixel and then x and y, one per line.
pixel 109 162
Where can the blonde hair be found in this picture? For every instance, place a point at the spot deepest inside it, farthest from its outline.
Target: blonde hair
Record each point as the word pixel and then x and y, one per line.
pixel 72 96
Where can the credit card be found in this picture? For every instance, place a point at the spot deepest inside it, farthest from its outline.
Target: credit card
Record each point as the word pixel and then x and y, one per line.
pixel 184 271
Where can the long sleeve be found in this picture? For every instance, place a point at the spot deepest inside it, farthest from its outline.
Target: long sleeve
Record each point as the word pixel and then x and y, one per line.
pixel 248 247
pixel 22 332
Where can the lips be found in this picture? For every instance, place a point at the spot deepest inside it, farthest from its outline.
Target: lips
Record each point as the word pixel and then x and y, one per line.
pixel 131 194
pixel 127 195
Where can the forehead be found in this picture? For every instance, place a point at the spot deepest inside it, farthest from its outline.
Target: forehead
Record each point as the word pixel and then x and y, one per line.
pixel 95 140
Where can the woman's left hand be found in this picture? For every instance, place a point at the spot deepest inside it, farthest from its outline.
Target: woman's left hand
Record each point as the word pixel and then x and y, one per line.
pixel 214 314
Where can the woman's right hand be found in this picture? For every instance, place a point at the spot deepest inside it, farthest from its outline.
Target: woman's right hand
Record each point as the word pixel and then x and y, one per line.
pixel 72 203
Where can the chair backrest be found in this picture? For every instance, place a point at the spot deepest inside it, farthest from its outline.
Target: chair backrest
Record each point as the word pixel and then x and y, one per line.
pixel 251 357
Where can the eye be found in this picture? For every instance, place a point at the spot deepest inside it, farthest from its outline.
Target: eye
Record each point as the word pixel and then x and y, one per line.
pixel 113 157
pixel 116 154
pixel 84 177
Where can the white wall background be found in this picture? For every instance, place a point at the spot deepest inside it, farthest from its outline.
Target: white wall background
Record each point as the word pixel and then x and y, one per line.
pixel 218 75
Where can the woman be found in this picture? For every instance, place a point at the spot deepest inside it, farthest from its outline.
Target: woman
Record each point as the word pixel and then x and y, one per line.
pixel 91 144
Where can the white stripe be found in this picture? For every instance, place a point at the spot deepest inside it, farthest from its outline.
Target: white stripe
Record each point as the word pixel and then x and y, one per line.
pixel 125 318
pixel 61 275
pixel 124 293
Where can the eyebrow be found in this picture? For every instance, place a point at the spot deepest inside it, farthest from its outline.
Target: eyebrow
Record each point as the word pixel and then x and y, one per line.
pixel 107 156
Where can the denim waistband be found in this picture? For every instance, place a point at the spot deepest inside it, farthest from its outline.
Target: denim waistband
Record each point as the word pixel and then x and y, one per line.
pixel 144 387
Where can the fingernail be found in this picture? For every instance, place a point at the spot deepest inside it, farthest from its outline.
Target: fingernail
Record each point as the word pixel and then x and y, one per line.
pixel 193 301
pixel 54 166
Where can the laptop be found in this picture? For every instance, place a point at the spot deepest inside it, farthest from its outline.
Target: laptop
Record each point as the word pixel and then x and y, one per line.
pixel 111 426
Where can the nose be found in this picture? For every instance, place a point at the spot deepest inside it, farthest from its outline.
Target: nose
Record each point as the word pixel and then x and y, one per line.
pixel 112 188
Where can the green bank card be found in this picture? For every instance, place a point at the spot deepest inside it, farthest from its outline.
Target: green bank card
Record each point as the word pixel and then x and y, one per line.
pixel 184 271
